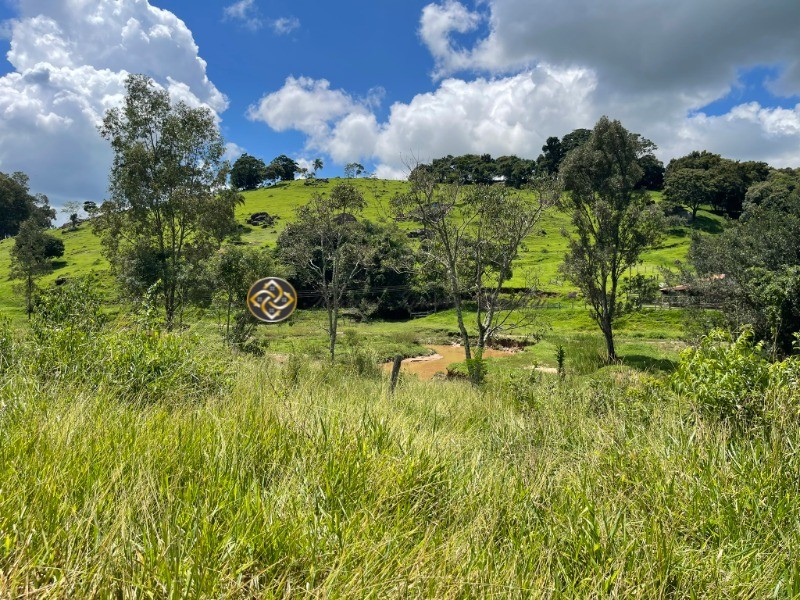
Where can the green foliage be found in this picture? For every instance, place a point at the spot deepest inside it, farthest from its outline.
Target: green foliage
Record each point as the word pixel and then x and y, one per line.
pixel 71 344
pixel 724 183
pixel 167 213
pixel 248 172
pixel 639 290
pixel 233 270
pixel 326 249
pixel 7 346
pixel 726 378
pixel 282 168
pixel 18 205
pixel 688 187
pixel 306 479
pixel 759 256
pixel 31 257
pixel 560 361
pixel 482 169
pixel 353 169
pixel 613 220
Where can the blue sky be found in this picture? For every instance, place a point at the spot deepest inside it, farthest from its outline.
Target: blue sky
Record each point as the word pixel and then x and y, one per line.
pixel 389 82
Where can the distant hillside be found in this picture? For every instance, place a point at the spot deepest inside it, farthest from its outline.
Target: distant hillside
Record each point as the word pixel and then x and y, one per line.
pixel 543 251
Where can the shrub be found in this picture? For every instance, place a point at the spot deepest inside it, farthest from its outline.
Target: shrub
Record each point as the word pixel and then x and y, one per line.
pixel 725 377
pixel 72 345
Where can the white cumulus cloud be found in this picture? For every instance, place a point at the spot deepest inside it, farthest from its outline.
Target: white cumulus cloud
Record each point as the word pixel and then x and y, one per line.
pixel 285 25
pixel 245 12
pixel 536 68
pixel 304 104
pixel 70 62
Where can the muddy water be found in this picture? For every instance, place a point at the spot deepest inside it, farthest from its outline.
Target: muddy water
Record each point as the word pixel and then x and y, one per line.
pixel 425 367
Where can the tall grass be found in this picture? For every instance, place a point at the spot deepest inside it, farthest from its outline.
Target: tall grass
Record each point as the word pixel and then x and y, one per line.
pixel 306 479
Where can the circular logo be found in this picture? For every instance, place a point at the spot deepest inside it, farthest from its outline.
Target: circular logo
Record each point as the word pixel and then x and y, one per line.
pixel 272 300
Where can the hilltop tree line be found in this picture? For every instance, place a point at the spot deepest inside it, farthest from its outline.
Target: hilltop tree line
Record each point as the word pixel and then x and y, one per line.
pixel 250 172
pixel 167 225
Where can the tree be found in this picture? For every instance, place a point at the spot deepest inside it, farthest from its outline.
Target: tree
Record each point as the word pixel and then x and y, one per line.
pixel 317 165
pixel 653 177
pixel 282 168
pixel 613 221
pixel 729 179
pixel 555 151
pixel 169 206
pixel 72 209
pixel 31 257
pixel 574 139
pixel 688 187
pixel 759 257
pixel 233 270
pixel 353 169
pixel 325 248
pixel 551 156
pixel 17 204
pixel 516 172
pixel 474 236
pixel 90 208
pixel 248 172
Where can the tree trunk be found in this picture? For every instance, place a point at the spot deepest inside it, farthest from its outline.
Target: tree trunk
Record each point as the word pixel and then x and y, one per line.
pixel 333 322
pixel 609 336
pixel 463 329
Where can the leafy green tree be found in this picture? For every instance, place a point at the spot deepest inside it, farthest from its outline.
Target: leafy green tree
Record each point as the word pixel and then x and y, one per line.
pixel 653 177
pixel 550 158
pixel 282 168
pixel 555 151
pixel 233 270
pixel 31 257
pixel 353 169
pixel 729 179
pixel 613 221
pixel 90 208
pixel 759 257
pixel 169 205
pixel 688 187
pixel 17 204
pixel 574 139
pixel 516 172
pixel 317 165
pixel 325 248
pixel 248 172
pixel 474 235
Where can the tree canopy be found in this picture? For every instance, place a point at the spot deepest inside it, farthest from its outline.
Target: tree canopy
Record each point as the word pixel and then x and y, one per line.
pixel 248 172
pixel 169 207
pixel 17 205
pixel 613 218
pixel 282 168
pixel 727 180
pixel 759 257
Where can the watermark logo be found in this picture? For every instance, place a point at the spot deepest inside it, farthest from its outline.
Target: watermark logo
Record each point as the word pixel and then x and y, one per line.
pixel 272 300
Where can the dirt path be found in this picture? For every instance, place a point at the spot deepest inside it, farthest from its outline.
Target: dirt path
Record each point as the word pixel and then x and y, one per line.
pixel 425 367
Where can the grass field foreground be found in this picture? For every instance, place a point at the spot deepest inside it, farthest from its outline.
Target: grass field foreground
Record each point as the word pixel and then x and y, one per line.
pixel 302 478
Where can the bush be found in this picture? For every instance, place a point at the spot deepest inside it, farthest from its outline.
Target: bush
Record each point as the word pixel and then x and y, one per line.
pixel 72 345
pixel 726 378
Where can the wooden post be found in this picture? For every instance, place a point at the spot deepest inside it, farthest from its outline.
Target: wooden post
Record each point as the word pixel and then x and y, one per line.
pixel 398 359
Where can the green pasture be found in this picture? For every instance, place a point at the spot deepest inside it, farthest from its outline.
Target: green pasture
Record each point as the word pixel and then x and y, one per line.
pixel 649 339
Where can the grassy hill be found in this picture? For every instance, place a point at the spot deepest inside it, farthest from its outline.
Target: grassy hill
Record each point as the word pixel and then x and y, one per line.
pixel 642 335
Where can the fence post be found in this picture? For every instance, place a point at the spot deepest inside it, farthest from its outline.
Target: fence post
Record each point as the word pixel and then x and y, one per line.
pixel 398 359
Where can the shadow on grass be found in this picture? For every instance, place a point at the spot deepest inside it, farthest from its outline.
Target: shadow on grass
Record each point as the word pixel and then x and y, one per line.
pixel 648 363
pixel 59 264
pixel 706 224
